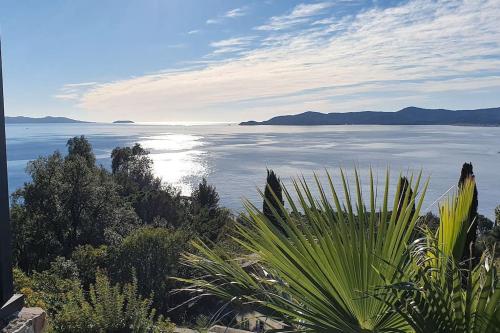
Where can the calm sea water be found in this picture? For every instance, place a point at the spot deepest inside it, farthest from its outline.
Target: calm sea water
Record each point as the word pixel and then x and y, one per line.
pixel 234 158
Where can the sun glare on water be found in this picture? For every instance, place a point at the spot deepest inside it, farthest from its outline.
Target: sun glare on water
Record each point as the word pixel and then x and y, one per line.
pixel 177 158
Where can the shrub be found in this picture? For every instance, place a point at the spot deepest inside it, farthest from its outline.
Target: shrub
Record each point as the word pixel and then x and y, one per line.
pixel 150 255
pixel 109 308
pixel 89 259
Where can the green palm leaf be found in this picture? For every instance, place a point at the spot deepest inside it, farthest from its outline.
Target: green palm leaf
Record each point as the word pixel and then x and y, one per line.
pixel 319 276
pixel 441 296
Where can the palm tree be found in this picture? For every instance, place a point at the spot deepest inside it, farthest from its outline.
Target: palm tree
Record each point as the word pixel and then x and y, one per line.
pixel 319 276
pixel 347 266
pixel 439 295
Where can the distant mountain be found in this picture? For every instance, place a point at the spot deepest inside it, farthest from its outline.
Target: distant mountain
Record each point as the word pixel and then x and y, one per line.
pixel 44 120
pixel 407 116
pixel 123 122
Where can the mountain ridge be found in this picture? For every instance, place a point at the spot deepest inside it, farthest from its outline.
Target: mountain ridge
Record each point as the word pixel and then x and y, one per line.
pixel 407 116
pixel 42 120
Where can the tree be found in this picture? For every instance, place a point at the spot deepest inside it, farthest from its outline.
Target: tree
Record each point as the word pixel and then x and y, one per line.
pixel 320 277
pixel 207 219
pixel 436 280
pixel 132 169
pixel 67 203
pixel 346 270
pixel 273 199
pixel 150 255
pixel 89 260
pixel 80 146
pixel 205 196
pixel 406 193
pixel 469 253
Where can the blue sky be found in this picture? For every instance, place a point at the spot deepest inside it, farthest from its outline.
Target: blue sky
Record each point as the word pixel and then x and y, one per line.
pixel 207 60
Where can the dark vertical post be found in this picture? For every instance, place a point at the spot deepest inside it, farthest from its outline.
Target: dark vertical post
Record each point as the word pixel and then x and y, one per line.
pixel 9 303
pixel 6 285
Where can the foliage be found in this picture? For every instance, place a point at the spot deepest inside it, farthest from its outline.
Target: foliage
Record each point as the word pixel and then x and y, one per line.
pixel 132 165
pixel 69 202
pixel 207 220
pixel 149 255
pixel 132 169
pixel 318 277
pixel 273 198
pixel 205 196
pixel 405 186
pixel 469 252
pixel 74 217
pixel 48 289
pixel 342 271
pixel 79 146
pixel 484 224
pixel 89 260
pixel 109 308
pixel 489 240
pixel 432 298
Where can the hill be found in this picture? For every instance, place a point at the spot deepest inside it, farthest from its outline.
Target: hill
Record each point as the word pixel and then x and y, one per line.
pixel 123 122
pixel 44 120
pixel 407 116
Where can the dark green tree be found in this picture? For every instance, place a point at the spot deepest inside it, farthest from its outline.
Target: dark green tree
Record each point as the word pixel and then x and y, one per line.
pixel 68 202
pixel 207 219
pixel 205 196
pixel 151 255
pixel 80 146
pixel 132 169
pixel 89 259
pixel 273 199
pixel 405 193
pixel 469 253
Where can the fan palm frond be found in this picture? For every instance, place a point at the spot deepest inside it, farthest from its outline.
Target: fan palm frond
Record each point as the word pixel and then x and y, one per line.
pixel 317 272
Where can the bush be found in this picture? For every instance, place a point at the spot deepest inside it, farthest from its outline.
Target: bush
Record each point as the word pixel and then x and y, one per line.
pixel 89 259
pixel 48 289
pixel 109 308
pixel 151 255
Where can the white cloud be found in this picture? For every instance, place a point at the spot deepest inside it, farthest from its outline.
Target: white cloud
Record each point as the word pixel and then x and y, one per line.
pixel 237 12
pixel 230 14
pixel 231 45
pixel 329 20
pixel 69 96
pixel 193 32
pixel 177 46
pixel 77 85
pixel 378 59
pixel 300 14
pixel 213 21
pixel 238 41
pixel 73 91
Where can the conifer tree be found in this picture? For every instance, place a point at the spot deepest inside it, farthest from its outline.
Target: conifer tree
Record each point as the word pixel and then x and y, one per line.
pixel 404 187
pixel 467 172
pixel 273 197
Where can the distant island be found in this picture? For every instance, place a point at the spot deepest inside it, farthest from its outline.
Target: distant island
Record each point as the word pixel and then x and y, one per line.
pixel 44 120
pixel 123 122
pixel 407 116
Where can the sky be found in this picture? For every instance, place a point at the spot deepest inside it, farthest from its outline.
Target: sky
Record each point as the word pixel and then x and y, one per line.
pixel 227 61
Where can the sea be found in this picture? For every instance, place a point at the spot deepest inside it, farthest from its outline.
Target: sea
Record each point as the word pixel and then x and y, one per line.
pixel 234 158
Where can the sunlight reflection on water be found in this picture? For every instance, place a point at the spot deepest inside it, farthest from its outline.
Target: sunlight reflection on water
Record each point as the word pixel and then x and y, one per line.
pixel 235 158
pixel 175 159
